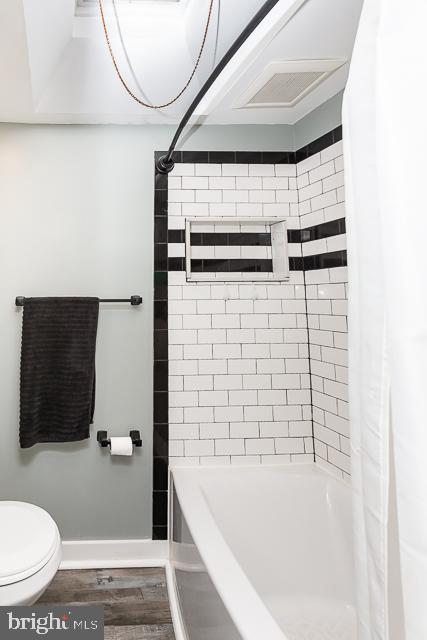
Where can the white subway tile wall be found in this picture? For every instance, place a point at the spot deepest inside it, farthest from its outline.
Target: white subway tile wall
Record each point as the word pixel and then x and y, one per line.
pixel 239 364
pixel 321 199
pixel 256 369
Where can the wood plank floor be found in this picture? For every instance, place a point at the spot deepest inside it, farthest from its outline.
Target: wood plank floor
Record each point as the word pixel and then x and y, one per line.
pixel 135 601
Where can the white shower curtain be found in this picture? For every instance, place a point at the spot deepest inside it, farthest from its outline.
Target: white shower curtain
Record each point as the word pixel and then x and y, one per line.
pixel 385 152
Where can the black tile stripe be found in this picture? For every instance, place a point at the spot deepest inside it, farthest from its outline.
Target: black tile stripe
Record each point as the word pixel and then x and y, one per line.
pixel 176 235
pixel 176 264
pixel 160 285
pixel 233 157
pixel 160 230
pixel 278 157
pixel 231 239
pixel 161 371
pixel 318 231
pixel 222 157
pixel 160 256
pixel 319 144
pixel 195 156
pixel 163 264
pixel 294 235
pixel 249 157
pixel 161 315
pixel 323 230
pixel 161 441
pixel 160 347
pixel 160 360
pixel 258 157
pixel 160 509
pixel 227 265
pixel 319 261
pixel 296 263
pixel 159 533
pixel 326 260
pixel 161 202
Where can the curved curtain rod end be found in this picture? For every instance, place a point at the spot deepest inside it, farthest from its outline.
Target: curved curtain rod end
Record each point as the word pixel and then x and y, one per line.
pixel 164 165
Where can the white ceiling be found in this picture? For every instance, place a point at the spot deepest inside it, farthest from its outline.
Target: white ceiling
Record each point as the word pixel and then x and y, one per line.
pixel 55 66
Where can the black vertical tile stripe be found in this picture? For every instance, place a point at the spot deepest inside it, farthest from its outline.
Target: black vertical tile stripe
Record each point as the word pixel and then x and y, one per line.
pixel 161 440
pixel 160 344
pixel 160 285
pixel 160 412
pixel 160 230
pixel 160 475
pixel 161 181
pixel 161 371
pixel 161 315
pixel 161 202
pixel 160 508
pixel 159 533
pixel 160 257
pixel 160 357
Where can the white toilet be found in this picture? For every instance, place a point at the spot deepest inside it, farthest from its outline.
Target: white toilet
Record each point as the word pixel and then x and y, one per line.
pixel 30 552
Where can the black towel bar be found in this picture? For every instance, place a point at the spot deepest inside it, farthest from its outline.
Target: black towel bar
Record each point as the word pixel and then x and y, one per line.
pixel 133 300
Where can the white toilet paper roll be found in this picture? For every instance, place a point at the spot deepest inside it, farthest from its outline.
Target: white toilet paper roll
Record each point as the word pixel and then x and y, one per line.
pixel 121 446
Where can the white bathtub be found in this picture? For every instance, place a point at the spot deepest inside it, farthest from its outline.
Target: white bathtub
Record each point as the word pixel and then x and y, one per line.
pixel 262 553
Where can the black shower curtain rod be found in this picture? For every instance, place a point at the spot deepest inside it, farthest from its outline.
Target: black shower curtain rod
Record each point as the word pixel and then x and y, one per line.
pixel 165 163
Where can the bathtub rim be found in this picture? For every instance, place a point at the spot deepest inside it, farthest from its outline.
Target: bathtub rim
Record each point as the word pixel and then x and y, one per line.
pixel 229 579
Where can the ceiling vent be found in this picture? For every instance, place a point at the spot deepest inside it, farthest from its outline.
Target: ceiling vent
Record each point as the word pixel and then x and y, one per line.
pixel 283 84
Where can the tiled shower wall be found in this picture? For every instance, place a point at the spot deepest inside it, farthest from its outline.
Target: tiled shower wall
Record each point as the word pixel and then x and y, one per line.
pixel 239 383
pixel 256 371
pixel 239 375
pixel 321 208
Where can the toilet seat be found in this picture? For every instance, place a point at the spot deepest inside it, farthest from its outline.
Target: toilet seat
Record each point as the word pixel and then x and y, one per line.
pixel 29 538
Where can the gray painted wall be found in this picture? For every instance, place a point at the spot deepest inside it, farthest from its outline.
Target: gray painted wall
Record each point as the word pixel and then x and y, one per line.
pixel 77 219
pixel 320 121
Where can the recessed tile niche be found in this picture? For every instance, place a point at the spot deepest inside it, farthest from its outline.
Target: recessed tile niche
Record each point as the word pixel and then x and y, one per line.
pixel 236 249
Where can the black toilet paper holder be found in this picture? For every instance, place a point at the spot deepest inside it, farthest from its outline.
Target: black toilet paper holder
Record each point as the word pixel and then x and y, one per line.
pixel 104 440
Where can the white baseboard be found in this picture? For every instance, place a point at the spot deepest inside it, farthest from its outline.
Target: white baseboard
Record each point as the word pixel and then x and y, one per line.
pixel 118 554
pixel 113 554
